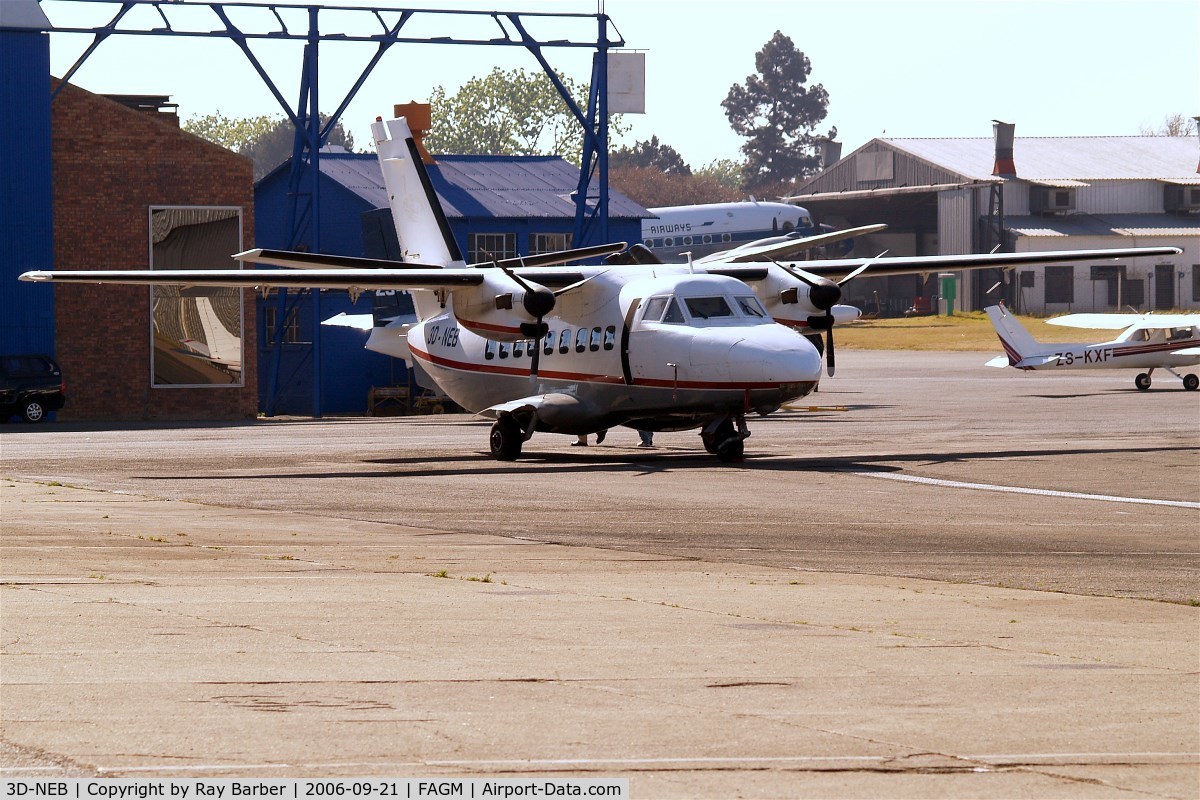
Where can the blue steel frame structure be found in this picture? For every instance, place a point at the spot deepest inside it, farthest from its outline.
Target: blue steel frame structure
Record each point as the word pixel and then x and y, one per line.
pixel 591 220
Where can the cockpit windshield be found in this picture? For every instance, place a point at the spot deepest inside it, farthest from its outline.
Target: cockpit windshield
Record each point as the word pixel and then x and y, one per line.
pixel 750 306
pixel 716 308
pixel 707 307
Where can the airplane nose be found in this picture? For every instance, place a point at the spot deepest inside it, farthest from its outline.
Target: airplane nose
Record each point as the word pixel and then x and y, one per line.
pixel 774 356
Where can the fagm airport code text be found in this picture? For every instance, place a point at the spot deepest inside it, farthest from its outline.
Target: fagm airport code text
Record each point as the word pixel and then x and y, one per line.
pixel 309 789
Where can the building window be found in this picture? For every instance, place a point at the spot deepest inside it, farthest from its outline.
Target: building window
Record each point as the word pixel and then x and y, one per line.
pixel 486 246
pixel 1196 283
pixel 196 332
pixel 291 328
pixel 1060 284
pixel 548 242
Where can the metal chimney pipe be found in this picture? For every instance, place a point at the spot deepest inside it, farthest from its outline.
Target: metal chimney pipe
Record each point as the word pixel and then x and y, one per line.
pixel 831 153
pixel 1005 133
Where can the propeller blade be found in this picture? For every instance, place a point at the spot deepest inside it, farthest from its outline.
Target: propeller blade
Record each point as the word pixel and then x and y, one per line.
pixel 860 269
pixel 830 364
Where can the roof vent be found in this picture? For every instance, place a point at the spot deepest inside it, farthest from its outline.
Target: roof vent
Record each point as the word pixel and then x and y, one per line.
pixel 1005 133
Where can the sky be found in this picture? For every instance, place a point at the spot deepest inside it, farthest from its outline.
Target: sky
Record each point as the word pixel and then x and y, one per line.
pixel 918 68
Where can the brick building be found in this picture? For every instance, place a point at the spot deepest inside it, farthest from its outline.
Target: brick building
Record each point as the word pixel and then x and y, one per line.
pixel 133 191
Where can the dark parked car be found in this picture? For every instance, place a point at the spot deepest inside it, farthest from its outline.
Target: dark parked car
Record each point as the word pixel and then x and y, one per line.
pixel 30 387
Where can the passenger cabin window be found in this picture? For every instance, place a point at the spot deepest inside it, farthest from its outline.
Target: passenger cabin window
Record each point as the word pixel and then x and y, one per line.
pixel 594 343
pixel 503 348
pixel 581 336
pixel 489 349
pixel 1179 333
pixel 518 349
pixel 610 337
pixel 548 349
pixel 564 341
pixel 708 307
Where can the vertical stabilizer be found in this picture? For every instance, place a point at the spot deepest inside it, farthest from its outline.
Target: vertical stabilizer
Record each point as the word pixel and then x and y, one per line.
pixel 421 225
pixel 1017 342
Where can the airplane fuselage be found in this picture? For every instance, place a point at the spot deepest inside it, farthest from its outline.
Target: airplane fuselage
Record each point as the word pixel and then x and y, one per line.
pixel 662 353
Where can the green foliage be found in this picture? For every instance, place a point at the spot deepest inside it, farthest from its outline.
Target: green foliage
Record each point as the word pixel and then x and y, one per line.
pixel 268 140
pixel 777 113
pixel 653 188
pixel 725 171
pixel 232 133
pixel 650 153
pixel 509 113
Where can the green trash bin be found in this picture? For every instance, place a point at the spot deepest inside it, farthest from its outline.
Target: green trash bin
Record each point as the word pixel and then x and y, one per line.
pixel 949 290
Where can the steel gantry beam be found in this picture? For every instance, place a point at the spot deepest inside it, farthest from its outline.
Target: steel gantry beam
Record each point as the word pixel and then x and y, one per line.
pixel 245 23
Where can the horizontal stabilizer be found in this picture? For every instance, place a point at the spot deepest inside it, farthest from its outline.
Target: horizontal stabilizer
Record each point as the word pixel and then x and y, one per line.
pixel 999 361
pixel 363 322
pixel 1187 351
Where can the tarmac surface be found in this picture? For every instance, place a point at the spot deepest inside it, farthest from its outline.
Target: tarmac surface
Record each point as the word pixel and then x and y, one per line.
pixel 930 579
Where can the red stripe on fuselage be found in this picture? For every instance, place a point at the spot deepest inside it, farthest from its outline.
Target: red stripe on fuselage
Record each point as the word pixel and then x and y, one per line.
pixel 497 369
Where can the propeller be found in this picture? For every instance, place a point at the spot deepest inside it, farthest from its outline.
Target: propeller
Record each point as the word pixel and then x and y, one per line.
pixel 824 294
pixel 539 301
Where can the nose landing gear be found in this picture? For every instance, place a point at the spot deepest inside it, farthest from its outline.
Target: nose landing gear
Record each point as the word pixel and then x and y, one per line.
pixel 725 437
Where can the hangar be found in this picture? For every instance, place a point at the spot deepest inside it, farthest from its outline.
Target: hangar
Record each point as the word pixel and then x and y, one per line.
pixel 964 195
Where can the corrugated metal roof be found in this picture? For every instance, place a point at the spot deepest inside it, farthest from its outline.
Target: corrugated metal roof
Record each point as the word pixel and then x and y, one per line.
pixel 1104 225
pixel 1166 158
pixel 482 186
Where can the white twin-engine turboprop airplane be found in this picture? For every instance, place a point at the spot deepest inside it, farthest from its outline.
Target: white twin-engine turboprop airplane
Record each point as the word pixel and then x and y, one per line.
pixel 537 346
pixel 1147 341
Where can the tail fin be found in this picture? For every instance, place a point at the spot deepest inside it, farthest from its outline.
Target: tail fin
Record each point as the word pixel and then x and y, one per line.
pixel 1017 342
pixel 421 225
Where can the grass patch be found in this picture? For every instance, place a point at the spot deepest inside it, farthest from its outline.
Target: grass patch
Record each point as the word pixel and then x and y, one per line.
pixel 965 331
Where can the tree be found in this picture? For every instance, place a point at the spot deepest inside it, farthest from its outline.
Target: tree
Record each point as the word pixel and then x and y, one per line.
pixel 1173 125
pixel 652 188
pixel 232 133
pixel 724 171
pixel 509 113
pixel 268 141
pixel 777 113
pixel 650 153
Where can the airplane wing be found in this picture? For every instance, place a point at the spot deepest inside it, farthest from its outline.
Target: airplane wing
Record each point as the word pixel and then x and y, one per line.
pixel 836 269
pixel 297 260
pixel 1122 321
pixel 360 279
pixel 784 248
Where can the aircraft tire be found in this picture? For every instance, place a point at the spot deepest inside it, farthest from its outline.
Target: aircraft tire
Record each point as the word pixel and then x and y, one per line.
pixel 33 411
pixel 506 439
pixel 1191 382
pixel 1142 381
pixel 732 451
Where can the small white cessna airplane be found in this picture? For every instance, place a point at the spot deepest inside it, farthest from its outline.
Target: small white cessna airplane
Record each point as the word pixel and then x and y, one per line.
pixel 574 350
pixel 1147 341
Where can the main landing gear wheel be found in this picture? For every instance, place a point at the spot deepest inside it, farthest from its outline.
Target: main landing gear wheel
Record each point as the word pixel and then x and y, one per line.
pixel 1142 381
pixel 506 439
pixel 1191 382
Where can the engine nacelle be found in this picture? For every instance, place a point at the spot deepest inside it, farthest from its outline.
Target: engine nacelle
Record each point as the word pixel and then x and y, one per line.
pixel 787 299
pixel 502 309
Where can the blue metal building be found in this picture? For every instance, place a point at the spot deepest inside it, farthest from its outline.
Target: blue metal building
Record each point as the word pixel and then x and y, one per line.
pixel 501 205
pixel 26 199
